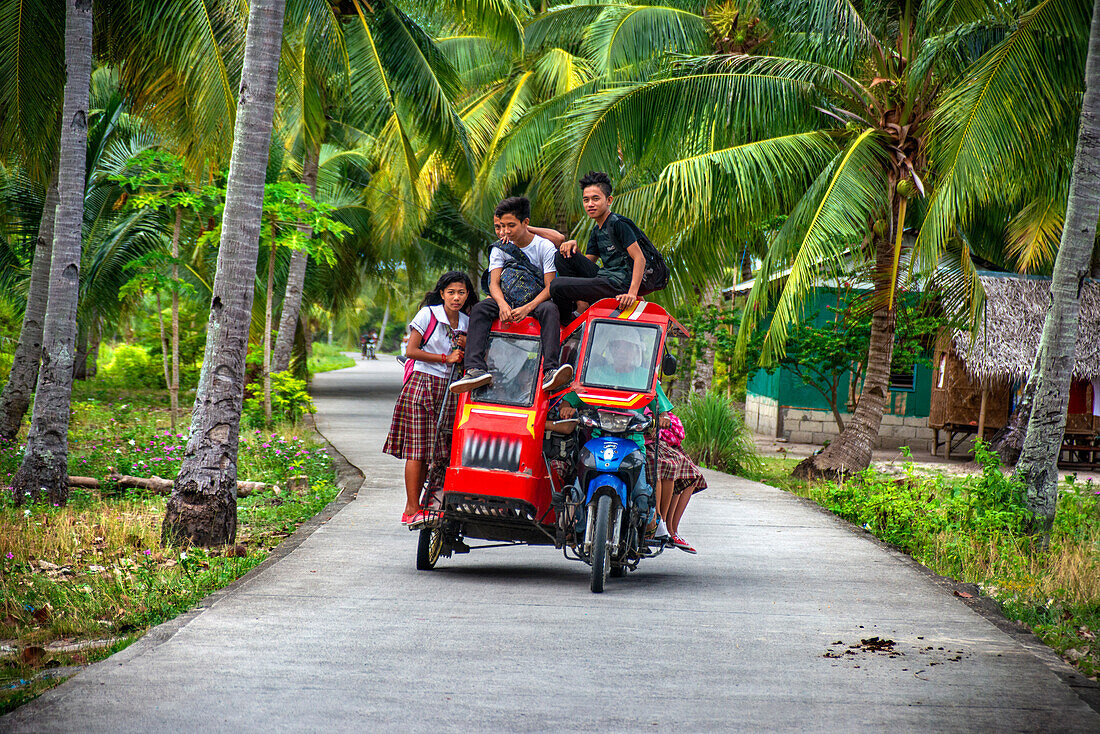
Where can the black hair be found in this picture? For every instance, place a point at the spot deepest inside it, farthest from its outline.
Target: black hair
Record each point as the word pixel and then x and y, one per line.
pixel 519 206
pixel 434 297
pixel 596 178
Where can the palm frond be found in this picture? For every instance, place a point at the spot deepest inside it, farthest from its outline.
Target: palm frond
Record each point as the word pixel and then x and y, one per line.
pixel 1034 234
pixel 32 75
pixel 1016 102
pixel 828 31
pixel 478 61
pixel 667 119
pixel 179 64
pixel 744 183
pixel 833 217
pixel 625 36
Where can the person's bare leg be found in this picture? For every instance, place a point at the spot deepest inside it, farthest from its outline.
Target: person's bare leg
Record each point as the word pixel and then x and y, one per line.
pixel 415 472
pixel 679 504
pixel 664 497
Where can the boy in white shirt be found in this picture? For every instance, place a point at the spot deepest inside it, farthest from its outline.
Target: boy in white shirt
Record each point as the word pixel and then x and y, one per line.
pixel 510 220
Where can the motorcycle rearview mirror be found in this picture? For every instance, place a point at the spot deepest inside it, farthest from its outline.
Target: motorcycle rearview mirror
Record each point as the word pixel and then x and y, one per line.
pixel 668 364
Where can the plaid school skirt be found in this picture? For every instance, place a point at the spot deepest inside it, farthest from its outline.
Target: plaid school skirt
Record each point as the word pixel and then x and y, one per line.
pixel 414 419
pixel 673 463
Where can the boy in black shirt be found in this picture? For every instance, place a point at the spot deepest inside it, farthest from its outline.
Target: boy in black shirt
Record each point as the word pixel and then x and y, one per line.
pixel 613 240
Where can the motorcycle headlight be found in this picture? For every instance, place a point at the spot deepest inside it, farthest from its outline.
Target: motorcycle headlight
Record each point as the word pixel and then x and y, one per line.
pixel 615 422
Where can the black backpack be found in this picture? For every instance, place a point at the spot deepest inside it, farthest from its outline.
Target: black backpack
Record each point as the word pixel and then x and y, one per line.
pixel 520 280
pixel 655 277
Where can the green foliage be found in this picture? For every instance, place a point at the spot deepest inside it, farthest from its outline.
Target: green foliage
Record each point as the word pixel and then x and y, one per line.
pixel 716 435
pixel 133 367
pixel 118 577
pixel 289 401
pixel 327 357
pixel 10 326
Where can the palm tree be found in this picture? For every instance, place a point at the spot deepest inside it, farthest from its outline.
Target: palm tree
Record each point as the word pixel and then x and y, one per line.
pixel 1038 464
pixel 826 131
pixel 172 63
pixel 374 79
pixel 45 461
pixel 203 507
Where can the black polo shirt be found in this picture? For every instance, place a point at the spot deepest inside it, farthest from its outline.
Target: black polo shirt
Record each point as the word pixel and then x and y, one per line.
pixel 609 243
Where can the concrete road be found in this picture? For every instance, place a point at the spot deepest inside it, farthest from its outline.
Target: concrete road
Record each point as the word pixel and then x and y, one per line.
pixel 756 633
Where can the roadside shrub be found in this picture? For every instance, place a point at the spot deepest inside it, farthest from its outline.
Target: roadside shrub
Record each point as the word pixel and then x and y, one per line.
pixel 133 367
pixel 289 400
pixel 716 435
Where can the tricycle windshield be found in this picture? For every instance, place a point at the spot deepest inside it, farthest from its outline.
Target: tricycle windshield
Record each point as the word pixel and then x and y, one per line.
pixel 513 361
pixel 622 355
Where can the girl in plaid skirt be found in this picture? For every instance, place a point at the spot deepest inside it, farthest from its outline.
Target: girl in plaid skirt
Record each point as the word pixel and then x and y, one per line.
pixel 678 479
pixel 437 338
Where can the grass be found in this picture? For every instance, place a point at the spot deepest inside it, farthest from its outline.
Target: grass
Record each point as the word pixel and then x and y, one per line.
pixel 973 529
pixel 96 570
pixel 327 357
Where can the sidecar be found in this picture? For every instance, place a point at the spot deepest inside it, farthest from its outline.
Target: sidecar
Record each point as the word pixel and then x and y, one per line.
pixel 509 480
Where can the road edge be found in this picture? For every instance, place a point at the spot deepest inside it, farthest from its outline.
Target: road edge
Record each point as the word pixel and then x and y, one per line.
pixel 984 606
pixel 349 479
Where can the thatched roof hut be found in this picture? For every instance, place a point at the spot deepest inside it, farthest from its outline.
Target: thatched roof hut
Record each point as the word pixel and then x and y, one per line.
pixel 1012 326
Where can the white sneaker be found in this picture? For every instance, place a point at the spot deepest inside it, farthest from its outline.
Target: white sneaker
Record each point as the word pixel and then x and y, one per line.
pixel 662 530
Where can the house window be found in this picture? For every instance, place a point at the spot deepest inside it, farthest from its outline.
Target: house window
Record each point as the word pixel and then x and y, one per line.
pixel 904 381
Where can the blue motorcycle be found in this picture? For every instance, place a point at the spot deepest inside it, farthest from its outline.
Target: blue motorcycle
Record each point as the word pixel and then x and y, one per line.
pixel 617 499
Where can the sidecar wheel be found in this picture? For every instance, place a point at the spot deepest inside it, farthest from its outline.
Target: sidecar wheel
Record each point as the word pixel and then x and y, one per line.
pixel 428 548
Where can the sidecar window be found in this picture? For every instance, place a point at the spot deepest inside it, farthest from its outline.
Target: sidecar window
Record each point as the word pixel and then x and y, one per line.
pixel 622 355
pixel 513 362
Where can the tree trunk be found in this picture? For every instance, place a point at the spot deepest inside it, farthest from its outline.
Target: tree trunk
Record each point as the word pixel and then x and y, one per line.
pixel 296 277
pixel 174 384
pixel 80 362
pixel 45 462
pixel 1009 442
pixel 268 310
pixel 164 360
pixel 1038 464
pixel 203 507
pixel 16 397
pixel 852 449
pixel 93 348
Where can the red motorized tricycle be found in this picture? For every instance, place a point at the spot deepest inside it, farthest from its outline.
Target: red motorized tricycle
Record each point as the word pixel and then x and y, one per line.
pixel 519 476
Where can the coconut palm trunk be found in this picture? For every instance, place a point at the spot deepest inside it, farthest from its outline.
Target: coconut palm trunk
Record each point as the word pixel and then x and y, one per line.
pixel 851 451
pixel 296 277
pixel 174 383
pixel 16 397
pixel 1038 464
pixel 268 311
pixel 45 462
pixel 203 507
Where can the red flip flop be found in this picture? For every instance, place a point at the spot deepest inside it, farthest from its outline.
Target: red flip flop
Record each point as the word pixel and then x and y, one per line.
pixel 420 517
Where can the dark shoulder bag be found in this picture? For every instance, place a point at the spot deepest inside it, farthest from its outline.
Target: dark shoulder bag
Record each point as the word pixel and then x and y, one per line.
pixel 655 277
pixel 520 280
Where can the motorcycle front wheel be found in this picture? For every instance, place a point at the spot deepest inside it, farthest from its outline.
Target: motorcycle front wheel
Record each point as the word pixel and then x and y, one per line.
pixel 601 550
